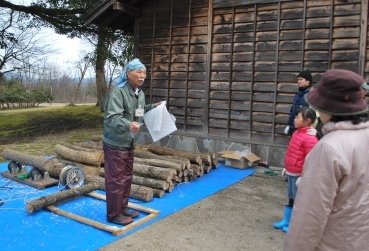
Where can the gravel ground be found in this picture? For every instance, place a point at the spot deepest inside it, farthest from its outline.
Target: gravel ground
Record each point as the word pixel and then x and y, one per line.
pixel 239 217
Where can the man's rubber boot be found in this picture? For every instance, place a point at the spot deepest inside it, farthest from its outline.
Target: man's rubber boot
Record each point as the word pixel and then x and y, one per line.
pixel 285 229
pixel 286 219
pixel 121 220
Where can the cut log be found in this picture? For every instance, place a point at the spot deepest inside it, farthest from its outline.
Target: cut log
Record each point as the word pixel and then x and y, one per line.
pixel 159 163
pixel 214 160
pixel 162 150
pixel 190 172
pixel 92 158
pixel 207 168
pixel 176 178
pixel 143 193
pixel 138 192
pixel 96 138
pixel 150 155
pixel 155 172
pixel 88 170
pixel 192 177
pixel 158 193
pixel 153 183
pixel 79 148
pixel 95 179
pixel 91 145
pixel 206 158
pixel 186 161
pixel 198 169
pixel 170 187
pixel 60 196
pixel 27 159
pixel 140 147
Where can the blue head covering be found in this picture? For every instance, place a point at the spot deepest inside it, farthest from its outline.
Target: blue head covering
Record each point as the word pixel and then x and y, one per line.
pixel 135 64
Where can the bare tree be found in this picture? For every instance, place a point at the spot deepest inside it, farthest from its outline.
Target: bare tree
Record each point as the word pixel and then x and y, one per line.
pixel 65 18
pixel 120 53
pixel 20 45
pixel 82 66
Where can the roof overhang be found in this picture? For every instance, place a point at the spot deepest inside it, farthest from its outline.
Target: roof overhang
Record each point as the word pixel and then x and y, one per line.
pixel 116 14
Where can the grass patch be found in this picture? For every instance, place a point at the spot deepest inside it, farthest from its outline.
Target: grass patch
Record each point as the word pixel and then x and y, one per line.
pixel 36 131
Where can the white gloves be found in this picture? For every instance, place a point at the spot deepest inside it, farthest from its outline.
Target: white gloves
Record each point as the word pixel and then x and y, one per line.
pixel 284 172
pixel 298 181
pixel 287 130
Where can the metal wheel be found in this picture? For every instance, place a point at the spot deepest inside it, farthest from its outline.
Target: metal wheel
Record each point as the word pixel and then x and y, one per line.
pixel 13 167
pixel 35 174
pixel 63 174
pixel 72 176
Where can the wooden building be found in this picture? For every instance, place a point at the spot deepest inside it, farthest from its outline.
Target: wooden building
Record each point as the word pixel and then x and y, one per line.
pixel 228 69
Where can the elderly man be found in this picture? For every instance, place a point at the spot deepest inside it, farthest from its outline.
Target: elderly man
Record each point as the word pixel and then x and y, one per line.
pixel 123 113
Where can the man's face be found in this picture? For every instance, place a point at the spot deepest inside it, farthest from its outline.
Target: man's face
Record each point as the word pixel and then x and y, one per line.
pixel 136 77
pixel 302 82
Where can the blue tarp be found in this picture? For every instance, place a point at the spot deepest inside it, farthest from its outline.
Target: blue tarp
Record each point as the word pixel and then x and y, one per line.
pixel 44 230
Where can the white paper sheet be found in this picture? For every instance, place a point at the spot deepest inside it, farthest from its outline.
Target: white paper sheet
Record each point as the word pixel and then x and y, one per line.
pixel 159 122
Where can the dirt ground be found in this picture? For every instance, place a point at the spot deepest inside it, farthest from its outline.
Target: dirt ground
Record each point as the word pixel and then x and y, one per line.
pixel 239 217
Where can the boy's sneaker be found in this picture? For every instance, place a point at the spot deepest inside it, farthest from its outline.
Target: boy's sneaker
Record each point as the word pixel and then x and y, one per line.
pixel 121 220
pixel 128 213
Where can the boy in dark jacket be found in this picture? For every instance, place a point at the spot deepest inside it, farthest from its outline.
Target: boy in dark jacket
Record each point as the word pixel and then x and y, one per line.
pixel 304 81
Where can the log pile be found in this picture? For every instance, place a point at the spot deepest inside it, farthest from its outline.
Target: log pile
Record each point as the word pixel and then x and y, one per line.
pixel 156 169
pixel 193 165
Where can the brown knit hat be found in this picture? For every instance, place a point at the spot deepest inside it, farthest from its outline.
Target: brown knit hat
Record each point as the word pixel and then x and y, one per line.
pixel 338 93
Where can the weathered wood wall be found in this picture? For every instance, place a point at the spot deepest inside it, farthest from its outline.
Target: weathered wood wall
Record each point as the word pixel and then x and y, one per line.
pixel 228 70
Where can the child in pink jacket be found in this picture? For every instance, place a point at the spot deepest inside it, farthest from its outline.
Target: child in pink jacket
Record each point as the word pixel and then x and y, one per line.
pixel 301 142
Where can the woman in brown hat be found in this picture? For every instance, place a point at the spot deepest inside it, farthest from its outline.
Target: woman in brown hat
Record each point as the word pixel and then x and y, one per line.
pixel 331 211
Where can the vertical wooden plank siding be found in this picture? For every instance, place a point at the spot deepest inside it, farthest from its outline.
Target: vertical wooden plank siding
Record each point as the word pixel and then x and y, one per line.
pixel 330 33
pixel 177 58
pixel 276 72
pixel 208 67
pixel 253 68
pixel 229 71
pixel 363 36
pixel 230 76
pixel 187 63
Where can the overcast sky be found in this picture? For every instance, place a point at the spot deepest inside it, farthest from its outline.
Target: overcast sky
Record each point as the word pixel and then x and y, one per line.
pixel 66 49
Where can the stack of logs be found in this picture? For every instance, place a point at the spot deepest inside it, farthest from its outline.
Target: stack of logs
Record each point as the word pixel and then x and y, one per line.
pixel 156 169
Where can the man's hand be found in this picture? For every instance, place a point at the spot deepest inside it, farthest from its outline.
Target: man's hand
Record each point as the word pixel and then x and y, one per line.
pixel 157 104
pixel 284 172
pixel 134 127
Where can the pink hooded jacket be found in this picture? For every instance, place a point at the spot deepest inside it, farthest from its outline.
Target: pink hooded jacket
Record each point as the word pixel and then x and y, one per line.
pixel 299 146
pixel 331 210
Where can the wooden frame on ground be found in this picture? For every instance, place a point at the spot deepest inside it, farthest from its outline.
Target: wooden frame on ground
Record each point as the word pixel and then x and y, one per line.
pixel 152 213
